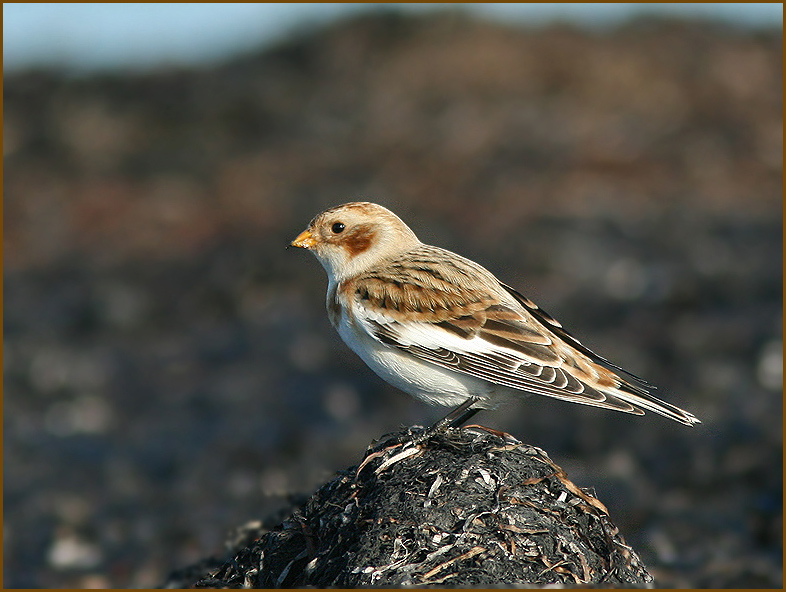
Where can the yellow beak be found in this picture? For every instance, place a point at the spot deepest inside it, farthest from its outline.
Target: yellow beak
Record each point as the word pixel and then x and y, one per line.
pixel 304 240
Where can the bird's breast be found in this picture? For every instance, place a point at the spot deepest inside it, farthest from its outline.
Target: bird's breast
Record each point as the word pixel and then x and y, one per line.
pixel 430 383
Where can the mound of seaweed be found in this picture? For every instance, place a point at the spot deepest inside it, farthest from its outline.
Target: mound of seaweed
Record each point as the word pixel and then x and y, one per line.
pixel 466 508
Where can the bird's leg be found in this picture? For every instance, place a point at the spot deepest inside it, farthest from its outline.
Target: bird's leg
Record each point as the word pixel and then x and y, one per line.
pixel 460 415
pixel 454 419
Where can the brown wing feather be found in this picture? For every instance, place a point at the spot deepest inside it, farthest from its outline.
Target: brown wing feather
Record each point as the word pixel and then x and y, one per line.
pixel 458 295
pixel 412 287
pixel 553 325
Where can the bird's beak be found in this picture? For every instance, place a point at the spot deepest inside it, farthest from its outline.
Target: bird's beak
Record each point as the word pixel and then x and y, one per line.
pixel 304 240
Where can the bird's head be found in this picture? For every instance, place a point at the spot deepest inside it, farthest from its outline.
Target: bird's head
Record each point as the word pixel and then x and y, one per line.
pixel 351 238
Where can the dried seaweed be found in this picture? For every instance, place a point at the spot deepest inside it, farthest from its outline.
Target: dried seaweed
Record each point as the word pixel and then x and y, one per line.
pixel 466 508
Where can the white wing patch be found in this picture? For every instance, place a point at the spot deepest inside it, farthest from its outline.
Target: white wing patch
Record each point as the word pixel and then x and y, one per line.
pixel 549 371
pixel 479 358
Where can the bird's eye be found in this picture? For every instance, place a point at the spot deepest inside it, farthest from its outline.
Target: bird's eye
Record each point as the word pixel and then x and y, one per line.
pixel 337 228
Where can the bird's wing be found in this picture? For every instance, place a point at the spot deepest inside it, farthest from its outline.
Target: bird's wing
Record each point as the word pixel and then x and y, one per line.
pixel 454 320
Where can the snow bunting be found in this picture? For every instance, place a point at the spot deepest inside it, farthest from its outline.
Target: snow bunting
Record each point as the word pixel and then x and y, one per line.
pixel 444 329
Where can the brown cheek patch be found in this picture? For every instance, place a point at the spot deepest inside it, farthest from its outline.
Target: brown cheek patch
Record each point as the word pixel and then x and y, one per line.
pixel 358 239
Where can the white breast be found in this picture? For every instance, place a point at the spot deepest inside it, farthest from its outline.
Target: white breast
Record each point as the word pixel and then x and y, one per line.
pixel 430 383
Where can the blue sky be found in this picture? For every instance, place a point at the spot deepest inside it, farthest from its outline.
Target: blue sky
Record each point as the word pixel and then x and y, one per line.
pixel 86 37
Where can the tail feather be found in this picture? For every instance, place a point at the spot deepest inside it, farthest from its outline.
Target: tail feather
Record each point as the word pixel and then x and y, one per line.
pixel 651 403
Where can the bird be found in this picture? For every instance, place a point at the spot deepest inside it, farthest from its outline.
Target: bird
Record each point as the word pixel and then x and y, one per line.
pixel 445 330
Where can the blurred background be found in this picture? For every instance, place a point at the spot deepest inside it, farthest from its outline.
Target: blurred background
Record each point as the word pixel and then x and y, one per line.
pixel 169 369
